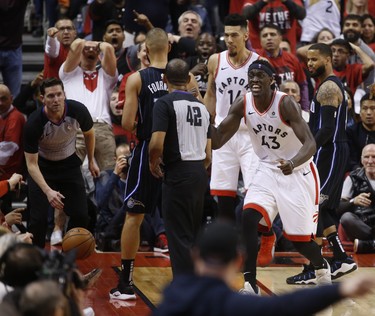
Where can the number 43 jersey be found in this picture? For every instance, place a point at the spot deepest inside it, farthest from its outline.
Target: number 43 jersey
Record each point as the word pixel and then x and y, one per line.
pixel 271 136
pixel 231 82
pixel 186 123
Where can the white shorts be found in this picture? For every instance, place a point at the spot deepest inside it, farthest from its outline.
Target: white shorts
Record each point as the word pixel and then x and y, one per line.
pixel 237 154
pixel 295 197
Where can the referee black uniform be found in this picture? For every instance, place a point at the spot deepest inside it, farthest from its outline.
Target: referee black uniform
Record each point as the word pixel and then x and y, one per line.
pixel 185 121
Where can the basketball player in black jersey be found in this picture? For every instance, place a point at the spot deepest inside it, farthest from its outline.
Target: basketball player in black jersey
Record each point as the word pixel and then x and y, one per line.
pixel 327 124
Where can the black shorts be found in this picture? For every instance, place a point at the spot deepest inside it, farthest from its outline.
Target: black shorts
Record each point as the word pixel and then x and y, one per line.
pixel 331 162
pixel 143 190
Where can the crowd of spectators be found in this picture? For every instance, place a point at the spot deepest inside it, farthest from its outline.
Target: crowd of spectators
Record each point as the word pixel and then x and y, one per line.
pixel 94 46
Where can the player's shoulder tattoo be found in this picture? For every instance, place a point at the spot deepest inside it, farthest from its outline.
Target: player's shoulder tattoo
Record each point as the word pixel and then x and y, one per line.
pixel 329 94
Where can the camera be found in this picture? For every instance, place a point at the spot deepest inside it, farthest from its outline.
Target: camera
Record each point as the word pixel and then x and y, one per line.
pixel 125 169
pixel 61 268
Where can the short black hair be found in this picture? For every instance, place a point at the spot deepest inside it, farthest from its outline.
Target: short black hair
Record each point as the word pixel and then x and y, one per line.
pixel 218 243
pixel 323 49
pixel 342 42
pixel 271 26
pixel 177 71
pixel 355 17
pixel 235 19
pixel 50 82
pixel 367 97
pixel 368 16
pixel 113 21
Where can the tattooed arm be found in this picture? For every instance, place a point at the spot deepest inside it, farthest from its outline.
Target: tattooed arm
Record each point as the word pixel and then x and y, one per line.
pixel 329 97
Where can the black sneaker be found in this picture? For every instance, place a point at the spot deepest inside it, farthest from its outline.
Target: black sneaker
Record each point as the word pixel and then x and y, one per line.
pixel 364 246
pixel 307 276
pixel 123 294
pixel 342 267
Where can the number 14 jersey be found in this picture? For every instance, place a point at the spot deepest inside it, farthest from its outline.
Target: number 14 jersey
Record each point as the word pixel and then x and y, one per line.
pixel 231 81
pixel 271 136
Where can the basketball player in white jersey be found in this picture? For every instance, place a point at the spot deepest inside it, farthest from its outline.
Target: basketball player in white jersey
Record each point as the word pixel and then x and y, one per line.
pixel 286 180
pixel 227 80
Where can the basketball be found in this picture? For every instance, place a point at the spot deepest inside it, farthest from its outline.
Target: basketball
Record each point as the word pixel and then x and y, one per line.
pixel 79 239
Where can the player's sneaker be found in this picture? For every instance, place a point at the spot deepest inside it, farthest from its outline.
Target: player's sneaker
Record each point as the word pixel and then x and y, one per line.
pixel 267 250
pixel 307 276
pixel 342 267
pixel 161 244
pixel 126 293
pixel 249 290
pixel 323 276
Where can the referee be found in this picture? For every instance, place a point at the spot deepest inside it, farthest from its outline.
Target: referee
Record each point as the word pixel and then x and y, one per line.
pixel 179 153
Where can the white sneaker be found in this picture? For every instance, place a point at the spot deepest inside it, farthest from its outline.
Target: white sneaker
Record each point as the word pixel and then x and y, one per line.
pixel 323 276
pixel 248 290
pixel 56 238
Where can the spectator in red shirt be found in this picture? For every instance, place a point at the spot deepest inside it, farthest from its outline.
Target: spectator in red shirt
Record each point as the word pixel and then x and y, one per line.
pixel 57 46
pixel 351 75
pixel 287 65
pixel 283 13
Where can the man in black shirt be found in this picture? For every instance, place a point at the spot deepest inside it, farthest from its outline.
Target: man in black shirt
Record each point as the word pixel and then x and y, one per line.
pixel 55 178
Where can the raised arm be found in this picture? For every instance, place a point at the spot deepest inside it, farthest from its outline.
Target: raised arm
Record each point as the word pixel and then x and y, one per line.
pixel 229 126
pixel 210 96
pixel 74 56
pixel 109 60
pixel 132 89
pixel 367 62
pixel 291 113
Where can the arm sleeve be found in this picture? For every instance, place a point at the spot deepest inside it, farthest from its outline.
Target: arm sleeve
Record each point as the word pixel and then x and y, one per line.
pixel 327 129
pixel 251 11
pixel 296 11
pixel 52 47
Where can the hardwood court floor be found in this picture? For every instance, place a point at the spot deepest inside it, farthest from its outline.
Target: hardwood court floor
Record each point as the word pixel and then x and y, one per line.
pixel 152 273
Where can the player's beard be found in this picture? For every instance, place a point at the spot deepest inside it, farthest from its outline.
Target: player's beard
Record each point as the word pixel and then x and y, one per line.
pixel 318 72
pixel 352 36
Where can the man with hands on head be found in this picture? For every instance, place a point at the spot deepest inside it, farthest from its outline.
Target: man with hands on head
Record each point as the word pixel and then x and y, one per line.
pixel 93 87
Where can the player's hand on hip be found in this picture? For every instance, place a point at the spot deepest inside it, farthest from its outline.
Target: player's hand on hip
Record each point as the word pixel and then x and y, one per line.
pixel 285 166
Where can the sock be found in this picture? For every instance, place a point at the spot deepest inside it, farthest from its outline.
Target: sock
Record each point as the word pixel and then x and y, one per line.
pixel 251 278
pixel 338 251
pixel 126 277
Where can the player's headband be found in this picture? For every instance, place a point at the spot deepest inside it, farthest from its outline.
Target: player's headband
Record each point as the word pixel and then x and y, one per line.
pixel 263 67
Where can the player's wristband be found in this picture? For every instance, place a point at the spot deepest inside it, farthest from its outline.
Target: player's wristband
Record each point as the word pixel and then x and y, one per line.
pixel 291 163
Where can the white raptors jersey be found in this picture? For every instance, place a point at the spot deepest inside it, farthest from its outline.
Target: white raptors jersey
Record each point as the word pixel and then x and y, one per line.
pixel 272 138
pixel 231 82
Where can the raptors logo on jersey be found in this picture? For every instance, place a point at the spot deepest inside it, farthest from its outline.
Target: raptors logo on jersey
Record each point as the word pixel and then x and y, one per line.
pixel 272 137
